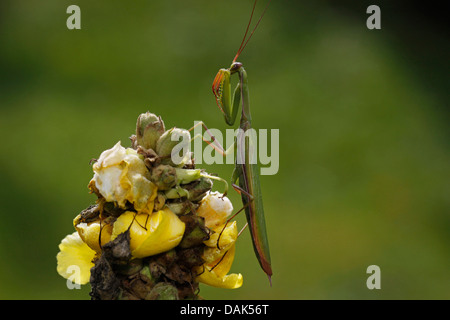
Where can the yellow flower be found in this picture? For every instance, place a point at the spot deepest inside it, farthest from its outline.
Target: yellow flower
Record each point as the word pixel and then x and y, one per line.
pixel 215 272
pixel 75 259
pixel 90 233
pixel 218 258
pixel 226 240
pixel 120 175
pixel 150 234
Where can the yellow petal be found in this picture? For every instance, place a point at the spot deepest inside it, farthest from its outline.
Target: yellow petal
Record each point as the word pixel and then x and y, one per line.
pixel 150 234
pixel 75 259
pixel 137 221
pixel 227 238
pixel 215 273
pixel 223 263
pixel 230 281
pixel 90 232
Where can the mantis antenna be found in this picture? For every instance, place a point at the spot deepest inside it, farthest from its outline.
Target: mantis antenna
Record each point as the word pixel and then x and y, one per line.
pixel 244 42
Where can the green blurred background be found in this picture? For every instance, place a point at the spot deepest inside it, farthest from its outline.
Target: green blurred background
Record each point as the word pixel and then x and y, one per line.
pixel 364 153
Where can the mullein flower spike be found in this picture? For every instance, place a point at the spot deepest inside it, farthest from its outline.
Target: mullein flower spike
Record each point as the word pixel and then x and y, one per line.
pixel 154 230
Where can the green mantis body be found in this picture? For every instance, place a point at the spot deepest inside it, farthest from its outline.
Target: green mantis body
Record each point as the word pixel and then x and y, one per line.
pixel 246 172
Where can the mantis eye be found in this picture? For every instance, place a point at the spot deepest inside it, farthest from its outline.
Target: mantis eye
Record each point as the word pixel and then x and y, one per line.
pixel 235 67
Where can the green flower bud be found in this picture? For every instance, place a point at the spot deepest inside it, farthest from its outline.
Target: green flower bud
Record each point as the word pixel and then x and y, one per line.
pixel 185 176
pixel 173 146
pixel 146 275
pixel 180 208
pixel 163 291
pixel 194 191
pixel 149 128
pixel 176 193
pixel 164 176
pixel 200 189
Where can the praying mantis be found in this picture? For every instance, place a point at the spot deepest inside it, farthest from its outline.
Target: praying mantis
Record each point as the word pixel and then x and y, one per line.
pixel 245 172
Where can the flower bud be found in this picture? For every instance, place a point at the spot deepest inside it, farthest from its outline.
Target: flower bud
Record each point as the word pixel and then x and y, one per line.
pixel 163 291
pixel 194 191
pixel 171 149
pixel 185 176
pixel 164 177
pixel 199 191
pixel 146 275
pixel 149 128
pixel 180 208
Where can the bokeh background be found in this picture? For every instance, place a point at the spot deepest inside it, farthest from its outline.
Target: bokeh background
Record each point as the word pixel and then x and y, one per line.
pixel 363 119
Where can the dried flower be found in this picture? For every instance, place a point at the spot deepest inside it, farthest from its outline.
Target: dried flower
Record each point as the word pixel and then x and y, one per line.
pixel 120 175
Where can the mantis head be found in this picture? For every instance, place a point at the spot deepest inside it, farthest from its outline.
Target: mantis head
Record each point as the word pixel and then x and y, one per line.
pixel 235 66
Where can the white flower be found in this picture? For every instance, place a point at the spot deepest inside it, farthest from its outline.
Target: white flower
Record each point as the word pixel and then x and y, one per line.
pixel 120 175
pixel 219 254
pixel 215 208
